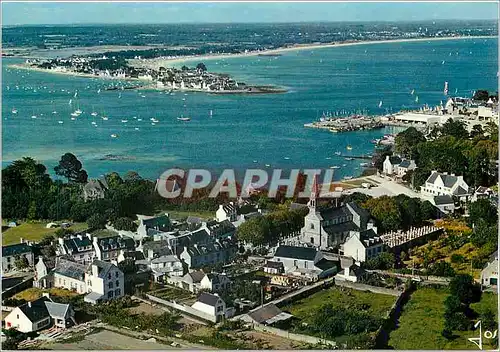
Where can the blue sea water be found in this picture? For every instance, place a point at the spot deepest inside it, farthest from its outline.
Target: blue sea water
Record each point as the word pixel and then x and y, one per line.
pixel 245 131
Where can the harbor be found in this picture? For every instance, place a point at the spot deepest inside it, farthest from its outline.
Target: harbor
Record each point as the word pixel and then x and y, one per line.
pixel 346 124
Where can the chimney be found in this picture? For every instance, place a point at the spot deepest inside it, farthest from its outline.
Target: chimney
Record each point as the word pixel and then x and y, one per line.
pixel 21 240
pixel 29 304
pixel 95 270
pixel 60 240
pixel 452 174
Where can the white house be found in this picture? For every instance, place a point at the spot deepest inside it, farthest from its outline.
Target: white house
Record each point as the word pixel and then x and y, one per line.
pixel 394 165
pixel 489 275
pixel 78 247
pixel 227 212
pixel 104 281
pixel 350 271
pixel 363 245
pixel 213 305
pixel 190 282
pixel 272 267
pixel 440 184
pixel 109 248
pixel 483 193
pixel 168 265
pixel 40 314
pixel 215 282
pixel 306 262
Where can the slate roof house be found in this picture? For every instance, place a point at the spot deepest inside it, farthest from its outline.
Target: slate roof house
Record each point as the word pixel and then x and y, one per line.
pixel 363 245
pixel 160 223
pixel 109 248
pixel 40 314
pixel 394 165
pixel 213 305
pixel 11 252
pixel 227 212
pixel 328 228
pixel 189 282
pixel 440 184
pixel 266 315
pixel 444 203
pixel 304 261
pixel 218 251
pixel 489 275
pixel 95 189
pixel 79 247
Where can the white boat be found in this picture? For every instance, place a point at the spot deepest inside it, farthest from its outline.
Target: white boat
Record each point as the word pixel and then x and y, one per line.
pixel 152 123
pixel 74 114
pixel 70 101
pixel 54 112
pixel 412 91
pixel 104 118
pixel 137 128
pixel 349 159
pixel 442 63
pixel 334 167
pixel 380 104
pixel 139 119
pixel 114 135
pixel 287 158
pixel 348 177
pixel 211 113
pixel 328 158
pixel 33 116
pixel 78 111
pixel 14 111
pixel 93 113
pixel 60 122
pixel 363 164
pixel 267 165
pixel 255 161
pixel 73 118
pixel 93 123
pixel 338 153
pixel 184 118
pixel 124 121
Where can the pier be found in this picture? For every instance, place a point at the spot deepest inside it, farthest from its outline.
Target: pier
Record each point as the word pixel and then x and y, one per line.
pixel 352 123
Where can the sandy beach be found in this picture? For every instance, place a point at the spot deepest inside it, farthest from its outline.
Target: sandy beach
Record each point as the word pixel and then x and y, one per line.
pixel 167 61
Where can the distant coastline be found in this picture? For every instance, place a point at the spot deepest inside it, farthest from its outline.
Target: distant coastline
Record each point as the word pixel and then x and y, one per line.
pixel 157 62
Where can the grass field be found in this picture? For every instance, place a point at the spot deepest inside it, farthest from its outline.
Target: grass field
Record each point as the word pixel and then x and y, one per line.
pixel 305 308
pixel 32 232
pixel 177 214
pixel 422 322
pixel 34 293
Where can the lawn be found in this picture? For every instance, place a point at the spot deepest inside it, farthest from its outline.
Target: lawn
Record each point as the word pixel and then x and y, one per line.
pixel 32 232
pixel 34 293
pixel 375 305
pixel 422 322
pixel 178 214
pixel 304 309
pixel 172 293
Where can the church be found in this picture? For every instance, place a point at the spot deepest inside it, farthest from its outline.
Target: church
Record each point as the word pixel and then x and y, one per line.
pixel 328 228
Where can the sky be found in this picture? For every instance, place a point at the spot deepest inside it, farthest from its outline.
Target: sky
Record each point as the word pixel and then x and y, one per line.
pixel 19 13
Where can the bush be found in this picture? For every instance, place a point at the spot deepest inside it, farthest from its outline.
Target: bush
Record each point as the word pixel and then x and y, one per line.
pixel 457 258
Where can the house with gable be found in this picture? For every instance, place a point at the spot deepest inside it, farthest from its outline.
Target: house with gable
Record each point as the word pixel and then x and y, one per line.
pixel 362 245
pixel 40 314
pixel 11 252
pixel 227 212
pixel 104 281
pixel 394 165
pixel 215 252
pixel 190 282
pixel 215 282
pixel 308 262
pixel 328 228
pixel 160 223
pixel 109 248
pixel 214 306
pixel 489 275
pixel 444 184
pixel 79 247
pixel 95 189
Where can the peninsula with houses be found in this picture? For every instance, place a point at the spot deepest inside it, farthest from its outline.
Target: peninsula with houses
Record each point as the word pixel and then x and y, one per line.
pixel 195 79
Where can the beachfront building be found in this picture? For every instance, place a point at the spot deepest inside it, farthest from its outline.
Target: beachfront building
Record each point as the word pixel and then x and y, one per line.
pixel 395 166
pixel 441 184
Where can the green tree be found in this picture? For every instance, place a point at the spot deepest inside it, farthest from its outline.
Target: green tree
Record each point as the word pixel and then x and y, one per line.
pixel 21 262
pixel 427 210
pixel 124 223
pixel 482 209
pixel 386 212
pixel 255 231
pixel 455 129
pixel 481 95
pixel 71 168
pixel 114 180
pixel 465 289
pixel 96 221
pixel 201 67
pixel 441 268
pixel 477 131
pixel 407 141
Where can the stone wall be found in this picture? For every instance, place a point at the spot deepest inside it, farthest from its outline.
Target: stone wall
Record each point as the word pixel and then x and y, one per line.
pixel 183 308
pixel 293 336
pixel 363 287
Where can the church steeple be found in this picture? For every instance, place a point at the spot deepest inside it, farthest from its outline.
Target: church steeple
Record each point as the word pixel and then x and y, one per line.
pixel 314 194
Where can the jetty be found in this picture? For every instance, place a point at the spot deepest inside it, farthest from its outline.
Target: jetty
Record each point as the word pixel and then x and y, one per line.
pixel 345 124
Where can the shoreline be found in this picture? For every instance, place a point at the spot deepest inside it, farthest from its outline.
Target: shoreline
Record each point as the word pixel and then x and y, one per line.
pixel 162 61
